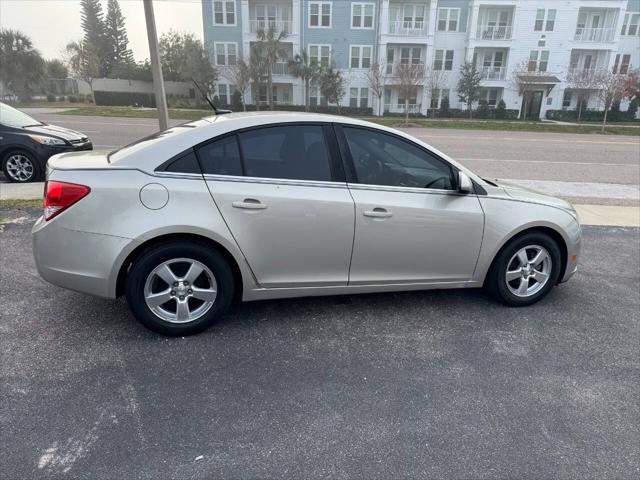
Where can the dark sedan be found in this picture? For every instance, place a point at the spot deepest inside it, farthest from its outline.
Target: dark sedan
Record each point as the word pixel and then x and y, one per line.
pixel 26 144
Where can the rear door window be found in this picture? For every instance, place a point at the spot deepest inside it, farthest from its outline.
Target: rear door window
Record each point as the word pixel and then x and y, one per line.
pixel 296 152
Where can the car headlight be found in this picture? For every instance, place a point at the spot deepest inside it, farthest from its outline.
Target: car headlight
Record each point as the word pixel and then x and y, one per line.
pixel 47 140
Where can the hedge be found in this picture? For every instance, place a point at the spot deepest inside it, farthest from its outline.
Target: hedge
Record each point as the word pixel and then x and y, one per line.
pixel 489 114
pixel 332 109
pixel 590 115
pixel 114 99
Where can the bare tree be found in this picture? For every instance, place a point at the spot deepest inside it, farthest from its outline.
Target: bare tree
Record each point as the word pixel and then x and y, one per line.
pixel 84 62
pixel 240 75
pixel 434 81
pixel 410 77
pixel 612 88
pixel 375 77
pixel 583 82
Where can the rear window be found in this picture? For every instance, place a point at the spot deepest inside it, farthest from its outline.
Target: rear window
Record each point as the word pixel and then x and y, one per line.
pixel 122 152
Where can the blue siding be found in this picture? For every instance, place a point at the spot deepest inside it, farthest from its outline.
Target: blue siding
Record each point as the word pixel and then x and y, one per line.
pixel 633 6
pixel 340 35
pixel 220 33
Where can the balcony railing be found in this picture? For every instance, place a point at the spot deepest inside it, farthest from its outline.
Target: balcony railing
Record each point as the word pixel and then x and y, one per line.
pixel 494 32
pixel 399 107
pixel 492 73
pixel 408 29
pixel 594 34
pixel 577 75
pixel 392 68
pixel 278 26
pixel 280 68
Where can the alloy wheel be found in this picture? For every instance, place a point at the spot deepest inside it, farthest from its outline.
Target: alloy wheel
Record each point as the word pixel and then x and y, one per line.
pixel 20 167
pixel 528 271
pixel 180 290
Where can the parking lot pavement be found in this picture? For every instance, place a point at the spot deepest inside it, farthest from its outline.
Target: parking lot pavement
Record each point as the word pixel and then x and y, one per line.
pixel 415 385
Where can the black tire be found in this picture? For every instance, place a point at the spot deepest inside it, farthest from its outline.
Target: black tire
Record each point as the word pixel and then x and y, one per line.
pixel 496 284
pixel 37 170
pixel 152 258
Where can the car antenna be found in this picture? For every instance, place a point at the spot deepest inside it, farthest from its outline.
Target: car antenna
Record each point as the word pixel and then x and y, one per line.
pixel 217 111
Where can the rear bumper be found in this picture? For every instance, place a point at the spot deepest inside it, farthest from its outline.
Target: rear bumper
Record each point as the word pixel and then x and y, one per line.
pixel 79 261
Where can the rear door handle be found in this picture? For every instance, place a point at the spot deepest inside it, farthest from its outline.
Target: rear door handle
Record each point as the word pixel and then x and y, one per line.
pixel 249 204
pixel 378 213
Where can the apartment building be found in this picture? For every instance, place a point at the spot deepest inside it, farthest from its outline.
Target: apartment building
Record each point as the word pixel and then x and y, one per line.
pixel 555 40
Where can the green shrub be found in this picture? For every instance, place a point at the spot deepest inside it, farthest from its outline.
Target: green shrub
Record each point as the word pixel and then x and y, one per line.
pixel 444 107
pixel 124 99
pixel 51 98
pixel 72 99
pixel 500 112
pixel 236 101
pixel 483 109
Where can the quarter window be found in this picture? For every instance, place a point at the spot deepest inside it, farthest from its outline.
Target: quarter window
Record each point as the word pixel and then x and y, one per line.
pixel 290 152
pixel 221 157
pixel 224 12
pixel 320 14
pixel 382 159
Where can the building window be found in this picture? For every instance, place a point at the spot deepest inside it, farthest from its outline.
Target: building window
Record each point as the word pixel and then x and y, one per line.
pixel 359 97
pixel 491 96
pixel 413 97
pixel 224 93
pixel 320 54
pixel 550 16
pixel 566 99
pixel 226 53
pixel 361 56
pixel 362 15
pixel 624 65
pixel 443 60
pixel 412 55
pixel 224 12
pixel 437 95
pixel 315 96
pixel 448 19
pixel 630 24
pixel 320 14
pixel 538 60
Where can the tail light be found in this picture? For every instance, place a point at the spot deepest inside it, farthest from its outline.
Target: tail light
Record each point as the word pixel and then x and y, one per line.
pixel 58 196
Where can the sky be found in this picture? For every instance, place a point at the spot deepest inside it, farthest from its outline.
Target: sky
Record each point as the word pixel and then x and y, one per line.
pixel 52 24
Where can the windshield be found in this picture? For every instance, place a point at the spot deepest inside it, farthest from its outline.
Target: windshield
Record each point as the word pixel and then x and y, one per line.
pixel 11 117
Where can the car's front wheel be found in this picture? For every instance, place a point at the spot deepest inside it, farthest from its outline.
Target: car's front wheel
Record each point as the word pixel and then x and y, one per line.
pixel 179 288
pixel 20 166
pixel 525 270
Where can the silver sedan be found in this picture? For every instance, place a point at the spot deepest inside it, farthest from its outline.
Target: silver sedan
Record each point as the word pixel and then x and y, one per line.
pixel 273 205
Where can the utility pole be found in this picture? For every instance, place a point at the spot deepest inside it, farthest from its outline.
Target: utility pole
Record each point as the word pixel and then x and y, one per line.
pixel 156 67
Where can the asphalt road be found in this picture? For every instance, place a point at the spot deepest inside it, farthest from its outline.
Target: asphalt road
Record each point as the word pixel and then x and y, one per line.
pixel 414 385
pixel 495 154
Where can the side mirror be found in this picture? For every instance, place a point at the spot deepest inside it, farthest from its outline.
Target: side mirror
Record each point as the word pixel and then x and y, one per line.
pixel 465 185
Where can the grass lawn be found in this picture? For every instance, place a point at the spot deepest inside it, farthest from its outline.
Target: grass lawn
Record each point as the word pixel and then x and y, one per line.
pixel 506 125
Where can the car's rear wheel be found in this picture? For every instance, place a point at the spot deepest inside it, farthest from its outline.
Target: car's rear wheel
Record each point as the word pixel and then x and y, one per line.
pixel 20 166
pixel 179 288
pixel 525 270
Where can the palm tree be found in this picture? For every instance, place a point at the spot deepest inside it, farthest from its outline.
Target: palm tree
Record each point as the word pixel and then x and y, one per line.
pixel 270 48
pixel 302 68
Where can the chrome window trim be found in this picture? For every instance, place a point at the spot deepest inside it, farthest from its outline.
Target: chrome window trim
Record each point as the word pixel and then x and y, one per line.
pixel 274 181
pixel 396 189
pixel 182 175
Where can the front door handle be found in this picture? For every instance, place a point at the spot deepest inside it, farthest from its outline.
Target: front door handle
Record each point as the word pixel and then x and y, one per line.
pixel 378 213
pixel 249 204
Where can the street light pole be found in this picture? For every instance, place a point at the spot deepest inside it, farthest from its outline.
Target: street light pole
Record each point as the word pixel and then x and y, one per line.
pixel 156 67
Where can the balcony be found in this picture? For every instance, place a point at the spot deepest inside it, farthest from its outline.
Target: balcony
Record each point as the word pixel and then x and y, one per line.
pixel 399 107
pixel 279 26
pixel 585 76
pixel 280 68
pixel 393 69
pixel 494 32
pixel 594 35
pixel 413 28
pixel 492 73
